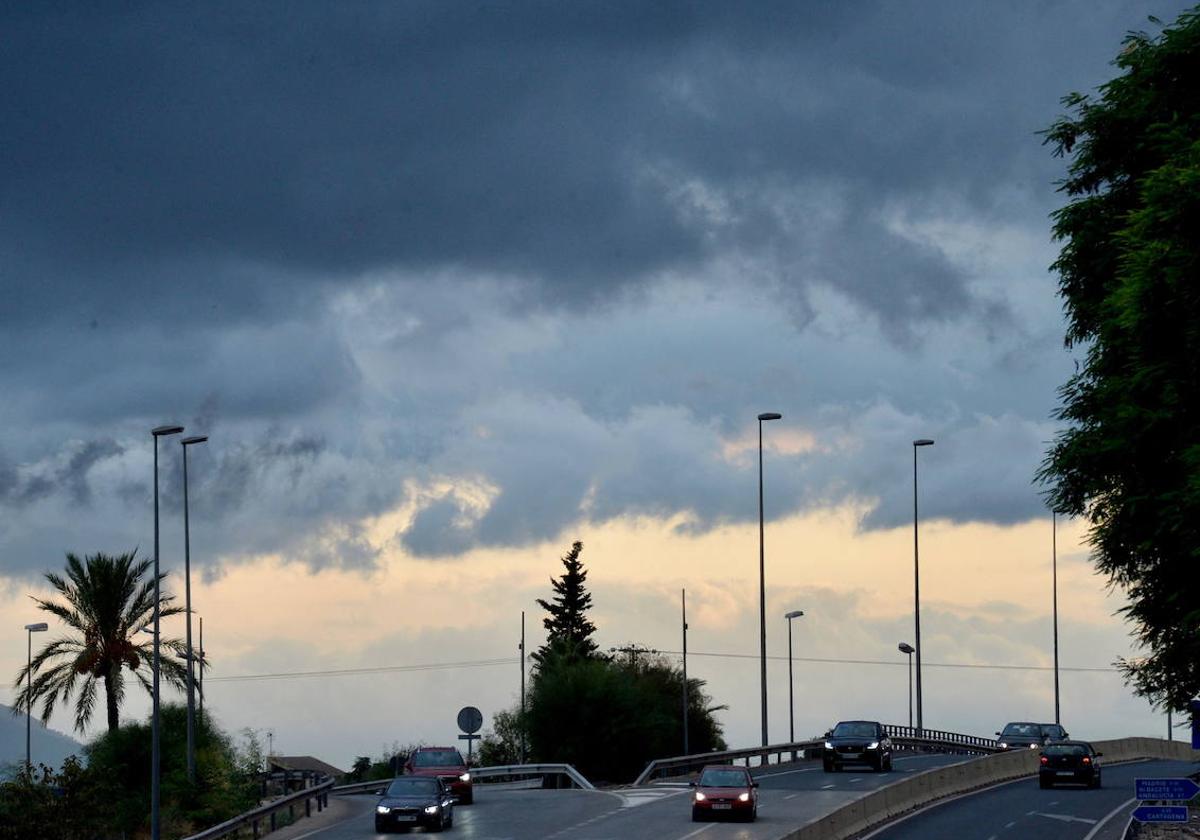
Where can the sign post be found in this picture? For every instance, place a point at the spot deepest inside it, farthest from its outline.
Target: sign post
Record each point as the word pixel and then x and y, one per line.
pixel 470 720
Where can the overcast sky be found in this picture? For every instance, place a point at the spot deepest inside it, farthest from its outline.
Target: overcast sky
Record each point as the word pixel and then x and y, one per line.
pixel 451 285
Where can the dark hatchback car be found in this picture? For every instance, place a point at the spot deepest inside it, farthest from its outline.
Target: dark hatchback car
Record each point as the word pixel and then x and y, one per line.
pixel 447 764
pixel 415 800
pixel 724 791
pixel 857 742
pixel 1069 762
pixel 1025 735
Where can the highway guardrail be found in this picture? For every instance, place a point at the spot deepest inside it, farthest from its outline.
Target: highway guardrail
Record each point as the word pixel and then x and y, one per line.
pixel 502 771
pixel 921 789
pixel 903 738
pixel 268 814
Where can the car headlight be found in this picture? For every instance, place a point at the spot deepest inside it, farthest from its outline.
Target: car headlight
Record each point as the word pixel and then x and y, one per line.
pixel 700 797
pixel 431 809
pixel 874 745
pixel 828 745
pixel 465 777
pixel 382 809
pixel 1003 745
pixel 1033 746
pixel 743 797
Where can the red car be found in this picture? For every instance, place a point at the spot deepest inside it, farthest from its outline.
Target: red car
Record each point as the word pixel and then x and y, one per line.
pixel 447 764
pixel 725 791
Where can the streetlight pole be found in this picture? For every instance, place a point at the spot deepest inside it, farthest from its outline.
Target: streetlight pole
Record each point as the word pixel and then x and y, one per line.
pixel 683 609
pixel 187 583
pixel 521 647
pixel 791 709
pixel 917 584
pixel 906 648
pixel 155 766
pixel 1054 567
pixel 762 580
pixel 40 627
pixel 200 657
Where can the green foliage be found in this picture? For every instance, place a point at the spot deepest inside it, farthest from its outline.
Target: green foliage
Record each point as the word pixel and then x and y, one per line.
pixel 105 603
pixel 502 744
pixel 110 798
pixel 1129 275
pixel 610 718
pixel 569 631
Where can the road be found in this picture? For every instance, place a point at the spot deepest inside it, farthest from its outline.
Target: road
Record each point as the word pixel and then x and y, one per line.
pixel 1022 811
pixel 790 795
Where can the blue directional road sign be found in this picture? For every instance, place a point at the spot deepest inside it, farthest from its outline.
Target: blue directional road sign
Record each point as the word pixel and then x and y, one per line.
pixel 1161 813
pixel 1165 790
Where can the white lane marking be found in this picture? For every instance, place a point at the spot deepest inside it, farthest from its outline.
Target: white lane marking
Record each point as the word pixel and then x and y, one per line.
pixel 641 797
pixel 792 796
pixel 826 787
pixel 1010 825
pixel 697 831
pixel 859 779
pixel 1063 817
pixel 786 773
pixel 1114 812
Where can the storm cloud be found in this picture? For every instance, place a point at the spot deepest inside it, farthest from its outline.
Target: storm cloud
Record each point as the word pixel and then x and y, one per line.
pixel 511 267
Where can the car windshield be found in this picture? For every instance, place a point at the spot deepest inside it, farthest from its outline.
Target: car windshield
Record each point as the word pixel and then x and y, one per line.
pixel 1066 749
pixel 854 730
pixel 1022 730
pixel 723 778
pixel 412 786
pixel 437 758
pixel 1052 730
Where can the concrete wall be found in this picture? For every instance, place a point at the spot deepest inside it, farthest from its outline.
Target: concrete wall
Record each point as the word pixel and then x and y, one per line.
pixel 924 788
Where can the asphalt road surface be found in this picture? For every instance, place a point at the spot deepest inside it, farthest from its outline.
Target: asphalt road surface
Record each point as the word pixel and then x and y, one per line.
pixel 789 796
pixel 1020 810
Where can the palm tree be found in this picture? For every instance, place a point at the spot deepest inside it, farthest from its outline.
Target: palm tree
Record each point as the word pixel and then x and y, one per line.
pixel 107 605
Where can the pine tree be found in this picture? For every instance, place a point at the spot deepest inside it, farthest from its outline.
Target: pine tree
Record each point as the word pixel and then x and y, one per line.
pixel 569 630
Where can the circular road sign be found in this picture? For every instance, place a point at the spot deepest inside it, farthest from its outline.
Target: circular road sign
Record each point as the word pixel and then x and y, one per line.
pixel 470 719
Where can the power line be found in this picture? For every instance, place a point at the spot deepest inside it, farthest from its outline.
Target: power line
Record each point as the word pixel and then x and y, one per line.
pixel 890 663
pixel 486 663
pixel 350 672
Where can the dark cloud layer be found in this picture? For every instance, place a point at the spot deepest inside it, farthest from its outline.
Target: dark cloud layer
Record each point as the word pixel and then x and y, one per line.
pixel 343 238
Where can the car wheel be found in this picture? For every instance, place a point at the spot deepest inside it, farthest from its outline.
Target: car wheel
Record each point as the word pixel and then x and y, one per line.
pixel 828 767
pixel 1045 783
pixel 379 827
pixel 888 766
pixel 696 815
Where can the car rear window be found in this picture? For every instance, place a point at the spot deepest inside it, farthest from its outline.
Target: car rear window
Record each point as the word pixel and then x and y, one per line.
pixel 1065 749
pixel 723 778
pixel 437 758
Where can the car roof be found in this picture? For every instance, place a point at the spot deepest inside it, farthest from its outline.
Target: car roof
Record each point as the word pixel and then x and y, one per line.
pixel 874 722
pixel 439 749
pixel 1072 743
pixel 1022 723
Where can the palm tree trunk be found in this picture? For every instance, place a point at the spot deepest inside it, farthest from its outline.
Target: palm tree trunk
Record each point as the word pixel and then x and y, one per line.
pixel 110 698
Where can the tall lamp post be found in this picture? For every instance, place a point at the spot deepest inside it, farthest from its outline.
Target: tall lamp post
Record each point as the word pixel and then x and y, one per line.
pixel 917 584
pixel 155 827
pixel 187 585
pixel 521 647
pixel 762 580
pixel 906 648
pixel 683 620
pixel 791 709
pixel 1054 574
pixel 40 627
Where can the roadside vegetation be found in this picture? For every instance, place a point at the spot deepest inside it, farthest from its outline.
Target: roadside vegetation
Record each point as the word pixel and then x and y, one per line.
pixel 1128 458
pixel 608 716
pixel 108 798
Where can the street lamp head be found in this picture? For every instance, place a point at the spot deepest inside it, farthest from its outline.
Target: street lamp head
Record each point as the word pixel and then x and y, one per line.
pixel 770 415
pixel 794 614
pixel 188 441
pixel 40 627
pixel 922 442
pixel 166 430
pixel 905 647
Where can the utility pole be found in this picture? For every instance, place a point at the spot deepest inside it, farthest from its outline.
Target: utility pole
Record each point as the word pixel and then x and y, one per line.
pixel 1054 561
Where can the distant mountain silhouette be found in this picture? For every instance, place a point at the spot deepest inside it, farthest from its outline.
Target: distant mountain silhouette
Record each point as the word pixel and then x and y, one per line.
pixel 46 745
